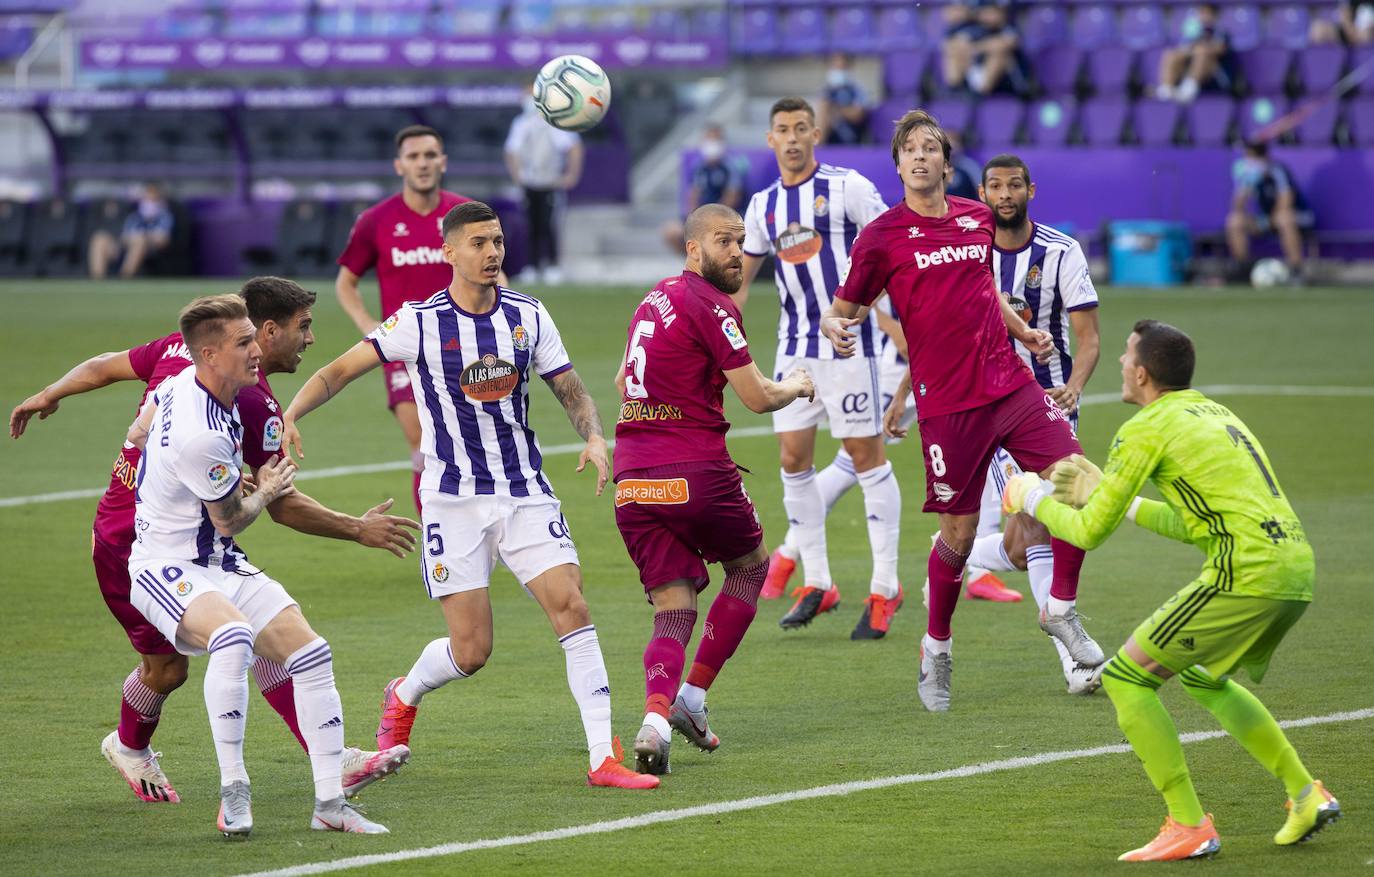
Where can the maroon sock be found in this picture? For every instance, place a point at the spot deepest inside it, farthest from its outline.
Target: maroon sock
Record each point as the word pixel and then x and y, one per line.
pixel 664 656
pixel 1068 561
pixel 415 489
pixel 729 617
pixel 276 687
pixel 946 571
pixel 139 712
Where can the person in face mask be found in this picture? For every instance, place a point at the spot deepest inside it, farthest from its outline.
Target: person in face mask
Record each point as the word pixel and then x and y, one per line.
pixel 844 111
pixel 147 230
pixel 1278 207
pixel 719 178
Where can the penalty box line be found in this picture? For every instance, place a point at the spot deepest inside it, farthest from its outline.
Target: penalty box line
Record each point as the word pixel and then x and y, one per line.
pixel 833 790
pixel 743 432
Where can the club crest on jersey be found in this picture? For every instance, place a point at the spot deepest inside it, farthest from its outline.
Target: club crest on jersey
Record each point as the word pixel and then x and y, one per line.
pixel 797 244
pixel 968 223
pixel 440 573
pixel 218 475
pixel 399 379
pixel 489 379
pixel 271 434
pixel 400 231
pixel 183 588
pixel 519 338
pixel 733 334
pixel 1033 277
pixel 943 492
pixel 820 206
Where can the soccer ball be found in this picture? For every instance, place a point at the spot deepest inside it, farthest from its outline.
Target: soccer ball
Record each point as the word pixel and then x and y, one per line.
pixel 1267 273
pixel 572 92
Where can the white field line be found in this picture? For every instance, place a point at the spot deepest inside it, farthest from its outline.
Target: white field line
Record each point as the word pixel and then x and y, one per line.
pixel 745 432
pixel 659 817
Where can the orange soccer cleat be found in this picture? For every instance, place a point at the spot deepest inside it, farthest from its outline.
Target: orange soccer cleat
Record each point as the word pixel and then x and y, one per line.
pixel 397 718
pixel 613 774
pixel 810 603
pixel 1176 842
pixel 877 615
pixel 780 569
pixel 990 587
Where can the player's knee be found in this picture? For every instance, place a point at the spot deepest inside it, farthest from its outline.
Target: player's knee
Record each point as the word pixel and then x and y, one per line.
pixel 470 656
pixel 1200 684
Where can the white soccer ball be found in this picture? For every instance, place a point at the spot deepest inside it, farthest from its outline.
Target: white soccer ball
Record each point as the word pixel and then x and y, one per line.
pixel 572 92
pixel 1269 272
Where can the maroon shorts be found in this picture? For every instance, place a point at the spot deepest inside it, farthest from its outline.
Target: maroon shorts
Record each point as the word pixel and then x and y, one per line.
pixel 398 387
pixel 676 519
pixel 112 572
pixel 958 447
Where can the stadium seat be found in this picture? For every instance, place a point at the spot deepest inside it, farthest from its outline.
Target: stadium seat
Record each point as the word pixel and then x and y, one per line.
pixel 1050 121
pixel 197 136
pixel 1287 26
pixel 531 16
pixel 1319 67
pixel 1265 69
pixel 1102 120
pixel 902 73
pixel 852 29
pixel 1093 27
pixel 898 29
pixel 1109 71
pixel 1256 113
pixel 889 111
pixel 668 22
pixel 104 140
pixel 954 114
pixel 301 248
pixel 14 227
pixel 1155 122
pixel 998 121
pixel 341 219
pixel 1318 127
pixel 709 21
pixel 753 31
pixel 468 17
pixel 1142 27
pixel 1057 70
pixel 1359 58
pixel 1242 25
pixel 54 246
pixel 1359 114
pixel 1209 119
pixel 1043 27
pixel 178 258
pixel 802 30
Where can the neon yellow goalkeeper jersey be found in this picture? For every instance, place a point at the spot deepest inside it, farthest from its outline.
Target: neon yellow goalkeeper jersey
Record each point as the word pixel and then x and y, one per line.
pixel 1220 494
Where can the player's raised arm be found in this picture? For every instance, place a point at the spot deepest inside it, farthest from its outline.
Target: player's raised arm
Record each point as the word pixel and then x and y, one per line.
pixel 92 374
pixel 761 395
pixel 324 384
pixel 582 414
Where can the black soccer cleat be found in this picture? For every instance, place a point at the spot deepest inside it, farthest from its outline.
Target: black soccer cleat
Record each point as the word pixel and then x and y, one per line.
pixel 810 603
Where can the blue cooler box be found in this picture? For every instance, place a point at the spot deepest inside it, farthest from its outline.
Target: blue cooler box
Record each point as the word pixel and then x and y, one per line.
pixel 1148 253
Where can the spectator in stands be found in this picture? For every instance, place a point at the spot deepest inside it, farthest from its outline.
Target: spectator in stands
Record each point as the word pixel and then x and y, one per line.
pixel 546 162
pixel 1204 62
pixel 1265 183
pixel 718 179
pixel 982 50
pixel 1353 26
pixel 844 110
pixel 147 230
pixel 964 174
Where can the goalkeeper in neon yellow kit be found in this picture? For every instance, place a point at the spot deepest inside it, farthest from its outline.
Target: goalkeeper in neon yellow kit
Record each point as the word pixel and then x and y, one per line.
pixel 1221 495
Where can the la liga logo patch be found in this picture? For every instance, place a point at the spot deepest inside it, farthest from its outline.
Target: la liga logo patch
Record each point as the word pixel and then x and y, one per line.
pixel 271 434
pixel 218 475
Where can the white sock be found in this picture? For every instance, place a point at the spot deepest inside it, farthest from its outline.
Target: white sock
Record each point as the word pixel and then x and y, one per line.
pixel 1056 606
pixel 435 668
pixel 883 508
pixel 319 712
pixel 659 724
pixel 1040 568
pixel 589 686
pixel 693 697
pixel 1066 660
pixel 801 497
pixel 834 482
pixel 936 646
pixel 226 696
pixel 989 553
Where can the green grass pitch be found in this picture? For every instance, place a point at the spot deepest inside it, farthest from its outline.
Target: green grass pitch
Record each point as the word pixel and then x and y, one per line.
pixel 502 754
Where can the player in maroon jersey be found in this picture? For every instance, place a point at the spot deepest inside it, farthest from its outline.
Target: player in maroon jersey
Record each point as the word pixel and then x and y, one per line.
pixel 933 255
pixel 400 237
pixel 686 342
pixel 281 311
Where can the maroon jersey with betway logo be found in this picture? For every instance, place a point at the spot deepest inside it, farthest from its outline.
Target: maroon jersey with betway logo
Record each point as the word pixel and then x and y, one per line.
pixel 405 247
pixel 939 275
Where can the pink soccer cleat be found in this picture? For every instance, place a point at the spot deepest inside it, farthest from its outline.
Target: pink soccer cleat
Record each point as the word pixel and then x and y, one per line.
pixel 361 768
pixel 142 772
pixel 397 719
pixel 780 569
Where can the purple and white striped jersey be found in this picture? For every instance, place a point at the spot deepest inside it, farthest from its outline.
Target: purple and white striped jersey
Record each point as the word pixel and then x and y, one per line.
pixel 1050 274
pixel 810 228
pixel 471 374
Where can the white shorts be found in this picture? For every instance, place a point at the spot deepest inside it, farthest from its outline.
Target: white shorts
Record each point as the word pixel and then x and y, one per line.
pixel 163 589
pixel 847 393
pixel 464 536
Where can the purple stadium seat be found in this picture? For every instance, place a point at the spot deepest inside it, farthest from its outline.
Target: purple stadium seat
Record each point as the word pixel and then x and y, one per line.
pixel 1050 120
pixel 881 119
pixel 1109 72
pixel 851 29
pixel 953 114
pixel 1209 119
pixel 1257 113
pixel 1359 113
pixel 1142 27
pixel 899 28
pixel 1287 26
pixel 1155 121
pixel 902 72
pixel 668 22
pixel 1317 128
pixel 1102 119
pixel 708 21
pixel 1044 26
pixel 1242 24
pixel 802 30
pixel 1176 24
pixel 1057 69
pixel 1093 27
pixel 754 31
pixel 1320 66
pixel 1265 69
pixel 933 26
pixel 998 120
pixel 469 18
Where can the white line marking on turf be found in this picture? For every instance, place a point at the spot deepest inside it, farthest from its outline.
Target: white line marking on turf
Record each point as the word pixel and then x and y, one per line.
pixel 744 432
pixel 834 790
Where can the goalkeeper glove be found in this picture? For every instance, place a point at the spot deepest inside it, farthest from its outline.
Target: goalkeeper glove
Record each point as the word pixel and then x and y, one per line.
pixel 1023 493
pixel 1074 480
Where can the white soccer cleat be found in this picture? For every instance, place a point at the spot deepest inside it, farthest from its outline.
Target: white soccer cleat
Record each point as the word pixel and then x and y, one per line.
pixel 1082 679
pixel 235 810
pixel 652 751
pixel 142 772
pixel 1069 630
pixel 362 768
pixel 339 815
pixel 933 686
pixel 693 726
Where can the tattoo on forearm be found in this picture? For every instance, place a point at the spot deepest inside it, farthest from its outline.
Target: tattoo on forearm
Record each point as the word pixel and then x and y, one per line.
pixel 573 395
pixel 328 390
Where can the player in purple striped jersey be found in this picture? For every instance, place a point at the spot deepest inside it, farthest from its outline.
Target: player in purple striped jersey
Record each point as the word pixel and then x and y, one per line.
pixel 808 219
pixel 472 350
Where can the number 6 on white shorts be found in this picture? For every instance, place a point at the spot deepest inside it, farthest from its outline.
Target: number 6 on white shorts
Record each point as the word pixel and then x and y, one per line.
pixel 937 461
